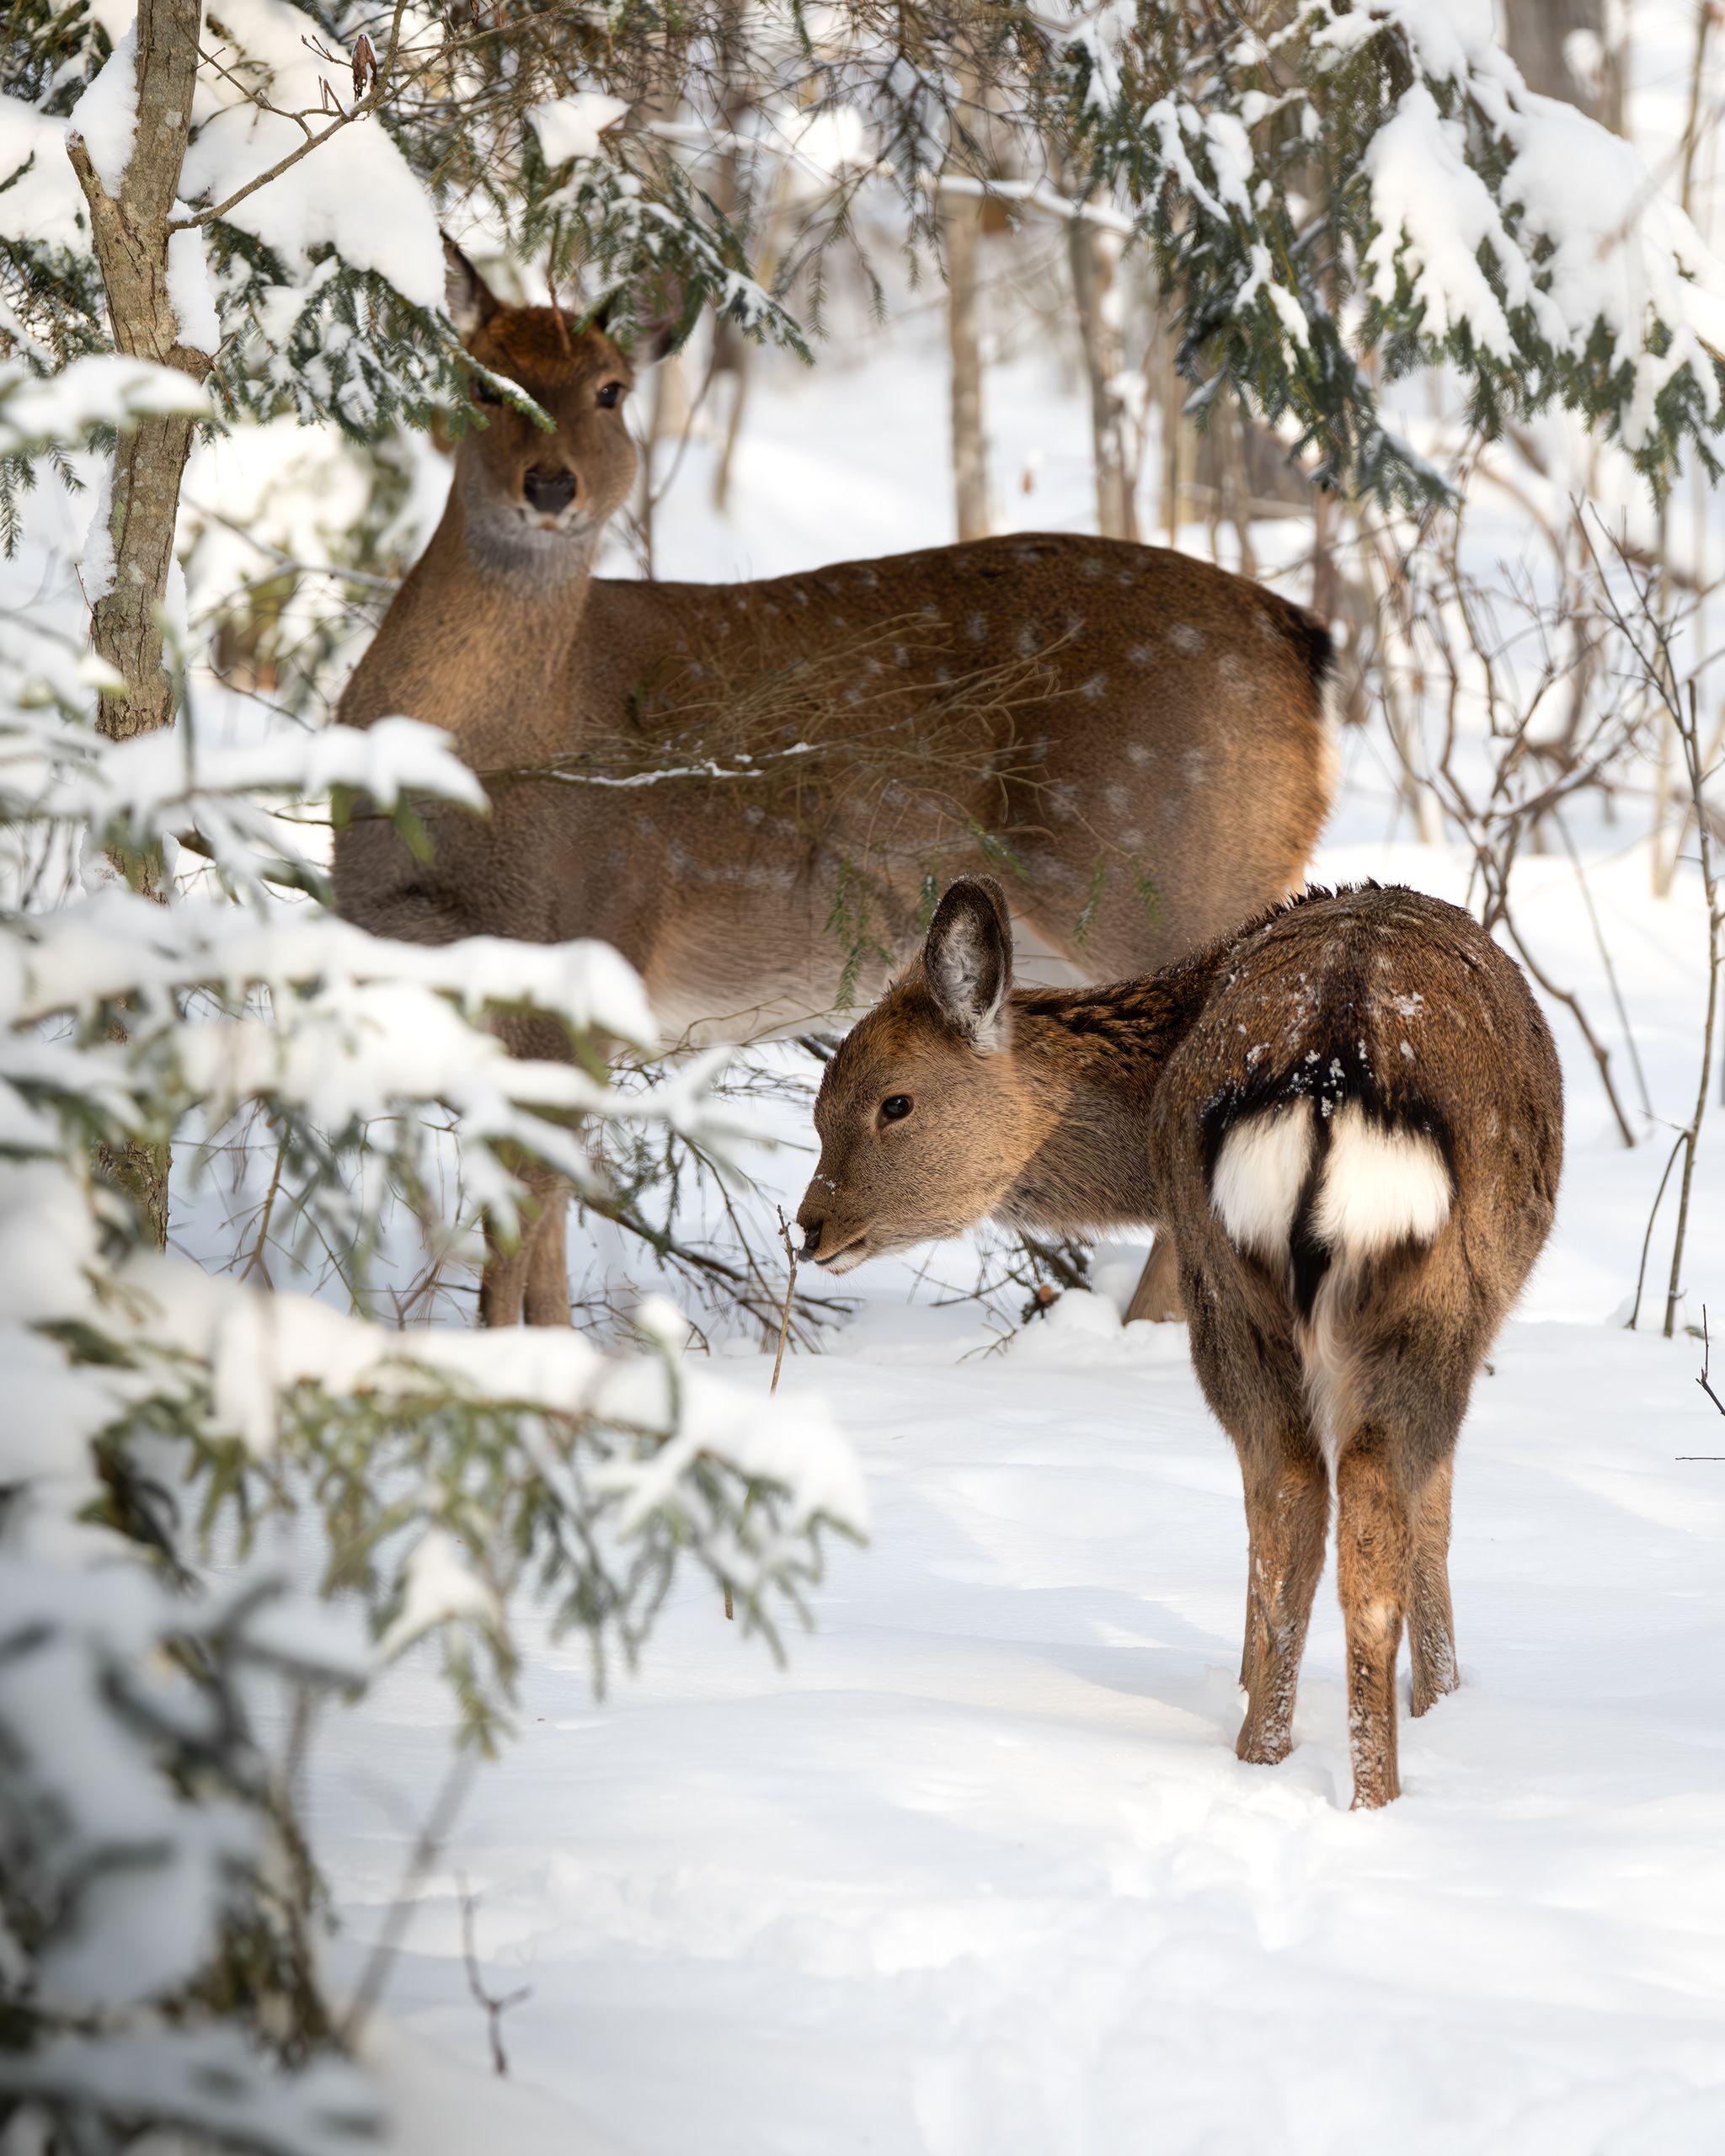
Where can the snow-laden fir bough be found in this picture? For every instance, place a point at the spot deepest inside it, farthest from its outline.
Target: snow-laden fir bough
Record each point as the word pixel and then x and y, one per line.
pixel 158 1902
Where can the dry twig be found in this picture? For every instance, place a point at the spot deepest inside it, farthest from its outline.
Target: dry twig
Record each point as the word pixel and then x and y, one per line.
pixel 494 2008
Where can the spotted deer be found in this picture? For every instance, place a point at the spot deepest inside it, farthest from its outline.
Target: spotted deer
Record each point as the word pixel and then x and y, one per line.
pixel 748 788
pixel 1350 1114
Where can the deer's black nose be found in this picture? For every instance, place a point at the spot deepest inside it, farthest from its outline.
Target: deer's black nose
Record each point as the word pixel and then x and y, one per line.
pixel 811 1236
pixel 547 491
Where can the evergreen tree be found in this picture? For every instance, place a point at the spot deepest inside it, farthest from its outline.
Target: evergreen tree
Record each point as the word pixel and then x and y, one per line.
pixel 158 1903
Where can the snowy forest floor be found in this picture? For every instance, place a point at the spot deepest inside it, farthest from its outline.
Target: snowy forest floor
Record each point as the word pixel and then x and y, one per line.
pixel 977 1872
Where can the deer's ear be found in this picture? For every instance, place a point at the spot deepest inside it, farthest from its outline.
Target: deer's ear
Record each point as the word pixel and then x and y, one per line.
pixel 470 301
pixel 968 959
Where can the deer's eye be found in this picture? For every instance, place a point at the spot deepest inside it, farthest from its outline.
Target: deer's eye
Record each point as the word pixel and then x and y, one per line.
pixel 610 394
pixel 895 1108
pixel 483 393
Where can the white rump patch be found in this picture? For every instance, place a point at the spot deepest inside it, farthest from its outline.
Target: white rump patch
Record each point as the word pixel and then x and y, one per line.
pixel 1379 1187
pixel 1259 1175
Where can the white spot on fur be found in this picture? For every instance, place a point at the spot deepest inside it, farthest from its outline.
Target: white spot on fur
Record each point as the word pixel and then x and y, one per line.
pixel 1185 638
pixel 1258 1179
pixel 1136 753
pixel 1140 655
pixel 1094 687
pixel 1380 1187
pixel 976 628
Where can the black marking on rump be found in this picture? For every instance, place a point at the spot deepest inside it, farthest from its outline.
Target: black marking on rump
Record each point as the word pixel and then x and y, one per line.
pixel 1337 1076
pixel 1308 1258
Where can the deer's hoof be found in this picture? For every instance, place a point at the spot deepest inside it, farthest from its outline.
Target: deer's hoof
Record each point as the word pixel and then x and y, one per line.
pixel 1262 1747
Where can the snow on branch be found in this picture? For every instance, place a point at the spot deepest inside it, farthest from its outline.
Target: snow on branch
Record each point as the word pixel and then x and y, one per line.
pixel 1375 180
pixel 158 1902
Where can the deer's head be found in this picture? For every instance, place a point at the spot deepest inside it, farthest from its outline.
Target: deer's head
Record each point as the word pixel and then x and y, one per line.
pixel 531 498
pixel 926 1116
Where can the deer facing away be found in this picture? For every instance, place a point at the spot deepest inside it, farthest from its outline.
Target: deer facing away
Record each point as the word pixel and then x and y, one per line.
pixel 1350 1116
pixel 1141 736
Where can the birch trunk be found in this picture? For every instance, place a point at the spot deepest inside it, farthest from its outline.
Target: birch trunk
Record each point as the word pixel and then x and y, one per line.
pixel 961 231
pixel 1094 256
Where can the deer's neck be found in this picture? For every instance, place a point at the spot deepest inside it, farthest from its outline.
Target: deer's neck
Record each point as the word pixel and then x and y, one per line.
pixel 1095 1057
pixel 482 640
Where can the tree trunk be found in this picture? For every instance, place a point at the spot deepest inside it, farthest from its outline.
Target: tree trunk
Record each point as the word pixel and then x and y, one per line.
pixel 1094 257
pixel 961 231
pixel 129 230
pixel 730 348
pixel 130 233
pixel 1537 33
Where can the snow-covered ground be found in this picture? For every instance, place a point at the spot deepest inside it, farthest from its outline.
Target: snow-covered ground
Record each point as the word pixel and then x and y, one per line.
pixel 978 1871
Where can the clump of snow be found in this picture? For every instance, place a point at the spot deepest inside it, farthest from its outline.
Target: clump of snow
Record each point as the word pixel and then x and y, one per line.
pixel 40 200
pixel 97 561
pixel 354 192
pixel 439 1586
pixel 106 114
pixel 1434 213
pixel 571 126
pixel 1263 279
pixel 188 291
pixel 102 390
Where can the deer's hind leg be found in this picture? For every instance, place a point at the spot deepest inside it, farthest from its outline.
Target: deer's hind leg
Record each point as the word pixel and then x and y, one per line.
pixel 1431 1618
pixel 1287 1512
pixel 1374 1567
pixel 1157 1294
pixel 1245 1358
pixel 527 1281
pixel 545 1297
pixel 1416 1333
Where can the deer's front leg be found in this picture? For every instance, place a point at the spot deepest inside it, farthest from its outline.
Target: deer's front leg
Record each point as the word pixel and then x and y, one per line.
pixel 1287 1511
pixel 1157 1294
pixel 1374 1560
pixel 530 1280
pixel 1431 1621
pixel 546 1297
